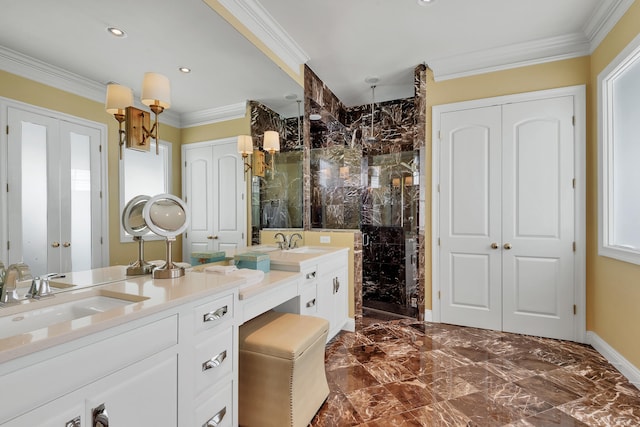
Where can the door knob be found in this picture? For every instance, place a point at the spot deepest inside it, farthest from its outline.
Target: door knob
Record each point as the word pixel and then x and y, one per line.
pixel 507 246
pixel 66 244
pixel 494 245
pixel 55 245
pixel 212 237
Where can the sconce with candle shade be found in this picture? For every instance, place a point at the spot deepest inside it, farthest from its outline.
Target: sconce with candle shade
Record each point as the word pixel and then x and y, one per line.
pixel 156 94
pixel 245 147
pixel 271 144
pixel 167 216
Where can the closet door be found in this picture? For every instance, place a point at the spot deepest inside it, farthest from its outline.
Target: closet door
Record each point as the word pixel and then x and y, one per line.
pixel 214 189
pixel 507 217
pixel 470 218
pixel 538 217
pixel 54 199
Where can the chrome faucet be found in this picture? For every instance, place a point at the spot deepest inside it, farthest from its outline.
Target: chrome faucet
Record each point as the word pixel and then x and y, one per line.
pixel 284 243
pixel 15 273
pixel 40 287
pixel 294 243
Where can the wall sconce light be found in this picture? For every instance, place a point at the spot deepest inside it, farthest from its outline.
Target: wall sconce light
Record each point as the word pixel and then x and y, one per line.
pixel 156 94
pixel 245 147
pixel 271 144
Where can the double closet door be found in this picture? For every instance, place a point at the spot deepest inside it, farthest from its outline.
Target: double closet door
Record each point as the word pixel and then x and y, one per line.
pixel 54 193
pixel 214 189
pixel 506 219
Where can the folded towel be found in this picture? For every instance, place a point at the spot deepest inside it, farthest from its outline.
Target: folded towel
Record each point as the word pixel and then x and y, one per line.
pixel 221 269
pixel 253 277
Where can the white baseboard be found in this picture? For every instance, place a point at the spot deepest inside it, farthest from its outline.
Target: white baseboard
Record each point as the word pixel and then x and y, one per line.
pixel 349 325
pixel 428 315
pixel 625 367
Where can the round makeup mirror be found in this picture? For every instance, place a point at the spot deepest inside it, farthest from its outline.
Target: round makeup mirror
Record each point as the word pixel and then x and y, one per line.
pixel 133 223
pixel 167 215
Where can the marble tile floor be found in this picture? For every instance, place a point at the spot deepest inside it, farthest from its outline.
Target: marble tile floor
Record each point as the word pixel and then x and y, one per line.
pixel 409 373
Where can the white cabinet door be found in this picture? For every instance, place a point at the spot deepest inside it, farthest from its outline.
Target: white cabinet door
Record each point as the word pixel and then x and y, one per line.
pixel 214 189
pixel 507 217
pixel 64 412
pixel 144 394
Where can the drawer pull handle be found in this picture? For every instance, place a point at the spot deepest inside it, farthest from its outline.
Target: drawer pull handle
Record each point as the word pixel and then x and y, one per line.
pixel 215 315
pixel 311 275
pixel 215 361
pixel 336 285
pixel 215 421
pixel 100 416
pixel 311 303
pixel 73 423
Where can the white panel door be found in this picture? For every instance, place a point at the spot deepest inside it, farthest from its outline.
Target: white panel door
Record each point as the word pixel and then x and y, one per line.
pixel 507 217
pixel 470 218
pixel 214 189
pixel 538 217
pixel 54 175
pixel 198 194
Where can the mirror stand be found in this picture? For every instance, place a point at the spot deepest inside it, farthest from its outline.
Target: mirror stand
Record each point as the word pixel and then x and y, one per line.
pixel 169 270
pixel 140 266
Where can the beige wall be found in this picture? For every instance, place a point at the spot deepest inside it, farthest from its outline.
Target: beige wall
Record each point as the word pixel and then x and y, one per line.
pixel 30 92
pixel 613 287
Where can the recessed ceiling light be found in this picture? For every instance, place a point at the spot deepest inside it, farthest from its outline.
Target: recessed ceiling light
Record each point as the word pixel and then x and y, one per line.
pixel 425 2
pixel 116 32
pixel 372 80
pixel 185 70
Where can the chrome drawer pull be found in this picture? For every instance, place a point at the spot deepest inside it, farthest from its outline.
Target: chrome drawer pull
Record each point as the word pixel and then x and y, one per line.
pixel 215 315
pixel 311 303
pixel 100 416
pixel 215 421
pixel 311 275
pixel 73 423
pixel 214 362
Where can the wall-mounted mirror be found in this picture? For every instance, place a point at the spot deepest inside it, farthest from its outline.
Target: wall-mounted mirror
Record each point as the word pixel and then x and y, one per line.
pixel 167 216
pixel 134 224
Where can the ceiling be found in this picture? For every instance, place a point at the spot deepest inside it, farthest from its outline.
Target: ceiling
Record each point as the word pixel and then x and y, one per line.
pixel 65 43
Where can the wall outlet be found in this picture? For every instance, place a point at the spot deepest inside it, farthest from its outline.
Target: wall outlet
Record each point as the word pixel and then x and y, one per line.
pixel 414 302
pixel 325 239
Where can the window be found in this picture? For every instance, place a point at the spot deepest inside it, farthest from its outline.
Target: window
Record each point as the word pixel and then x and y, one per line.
pixel 619 156
pixel 144 173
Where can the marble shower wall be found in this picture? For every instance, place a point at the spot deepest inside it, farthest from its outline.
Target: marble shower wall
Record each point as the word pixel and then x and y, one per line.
pixel 276 198
pixel 369 179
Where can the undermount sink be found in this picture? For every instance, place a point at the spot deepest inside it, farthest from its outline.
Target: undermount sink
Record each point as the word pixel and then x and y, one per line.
pixel 265 249
pixel 44 316
pixel 307 250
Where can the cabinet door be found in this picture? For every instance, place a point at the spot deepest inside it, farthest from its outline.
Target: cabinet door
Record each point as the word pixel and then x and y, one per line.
pixel 144 394
pixel 64 412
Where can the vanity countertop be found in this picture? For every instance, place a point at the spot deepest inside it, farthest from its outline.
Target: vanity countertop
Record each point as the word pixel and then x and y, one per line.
pixel 145 294
pixel 142 296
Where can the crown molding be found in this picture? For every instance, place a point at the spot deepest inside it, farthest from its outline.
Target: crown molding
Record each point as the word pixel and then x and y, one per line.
pixel 605 17
pixel 59 78
pixel 256 18
pixel 511 56
pixel 214 115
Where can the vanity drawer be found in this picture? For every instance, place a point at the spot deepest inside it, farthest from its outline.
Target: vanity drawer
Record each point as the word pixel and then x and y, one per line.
pixel 218 409
pixel 214 314
pixel 213 359
pixel 308 299
pixel 310 274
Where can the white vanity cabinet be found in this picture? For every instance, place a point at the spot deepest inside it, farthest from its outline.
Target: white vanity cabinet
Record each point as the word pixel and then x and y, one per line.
pixel 173 368
pixel 323 290
pixel 126 376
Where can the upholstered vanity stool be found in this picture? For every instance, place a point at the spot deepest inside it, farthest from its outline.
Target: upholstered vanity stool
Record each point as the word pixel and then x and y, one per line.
pixel 282 376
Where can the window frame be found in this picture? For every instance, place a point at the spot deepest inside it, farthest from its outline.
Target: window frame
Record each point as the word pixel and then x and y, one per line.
pixel 606 247
pixel 124 236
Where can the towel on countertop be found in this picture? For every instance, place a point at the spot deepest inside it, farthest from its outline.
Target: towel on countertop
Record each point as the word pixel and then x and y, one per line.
pixel 252 277
pixel 221 269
